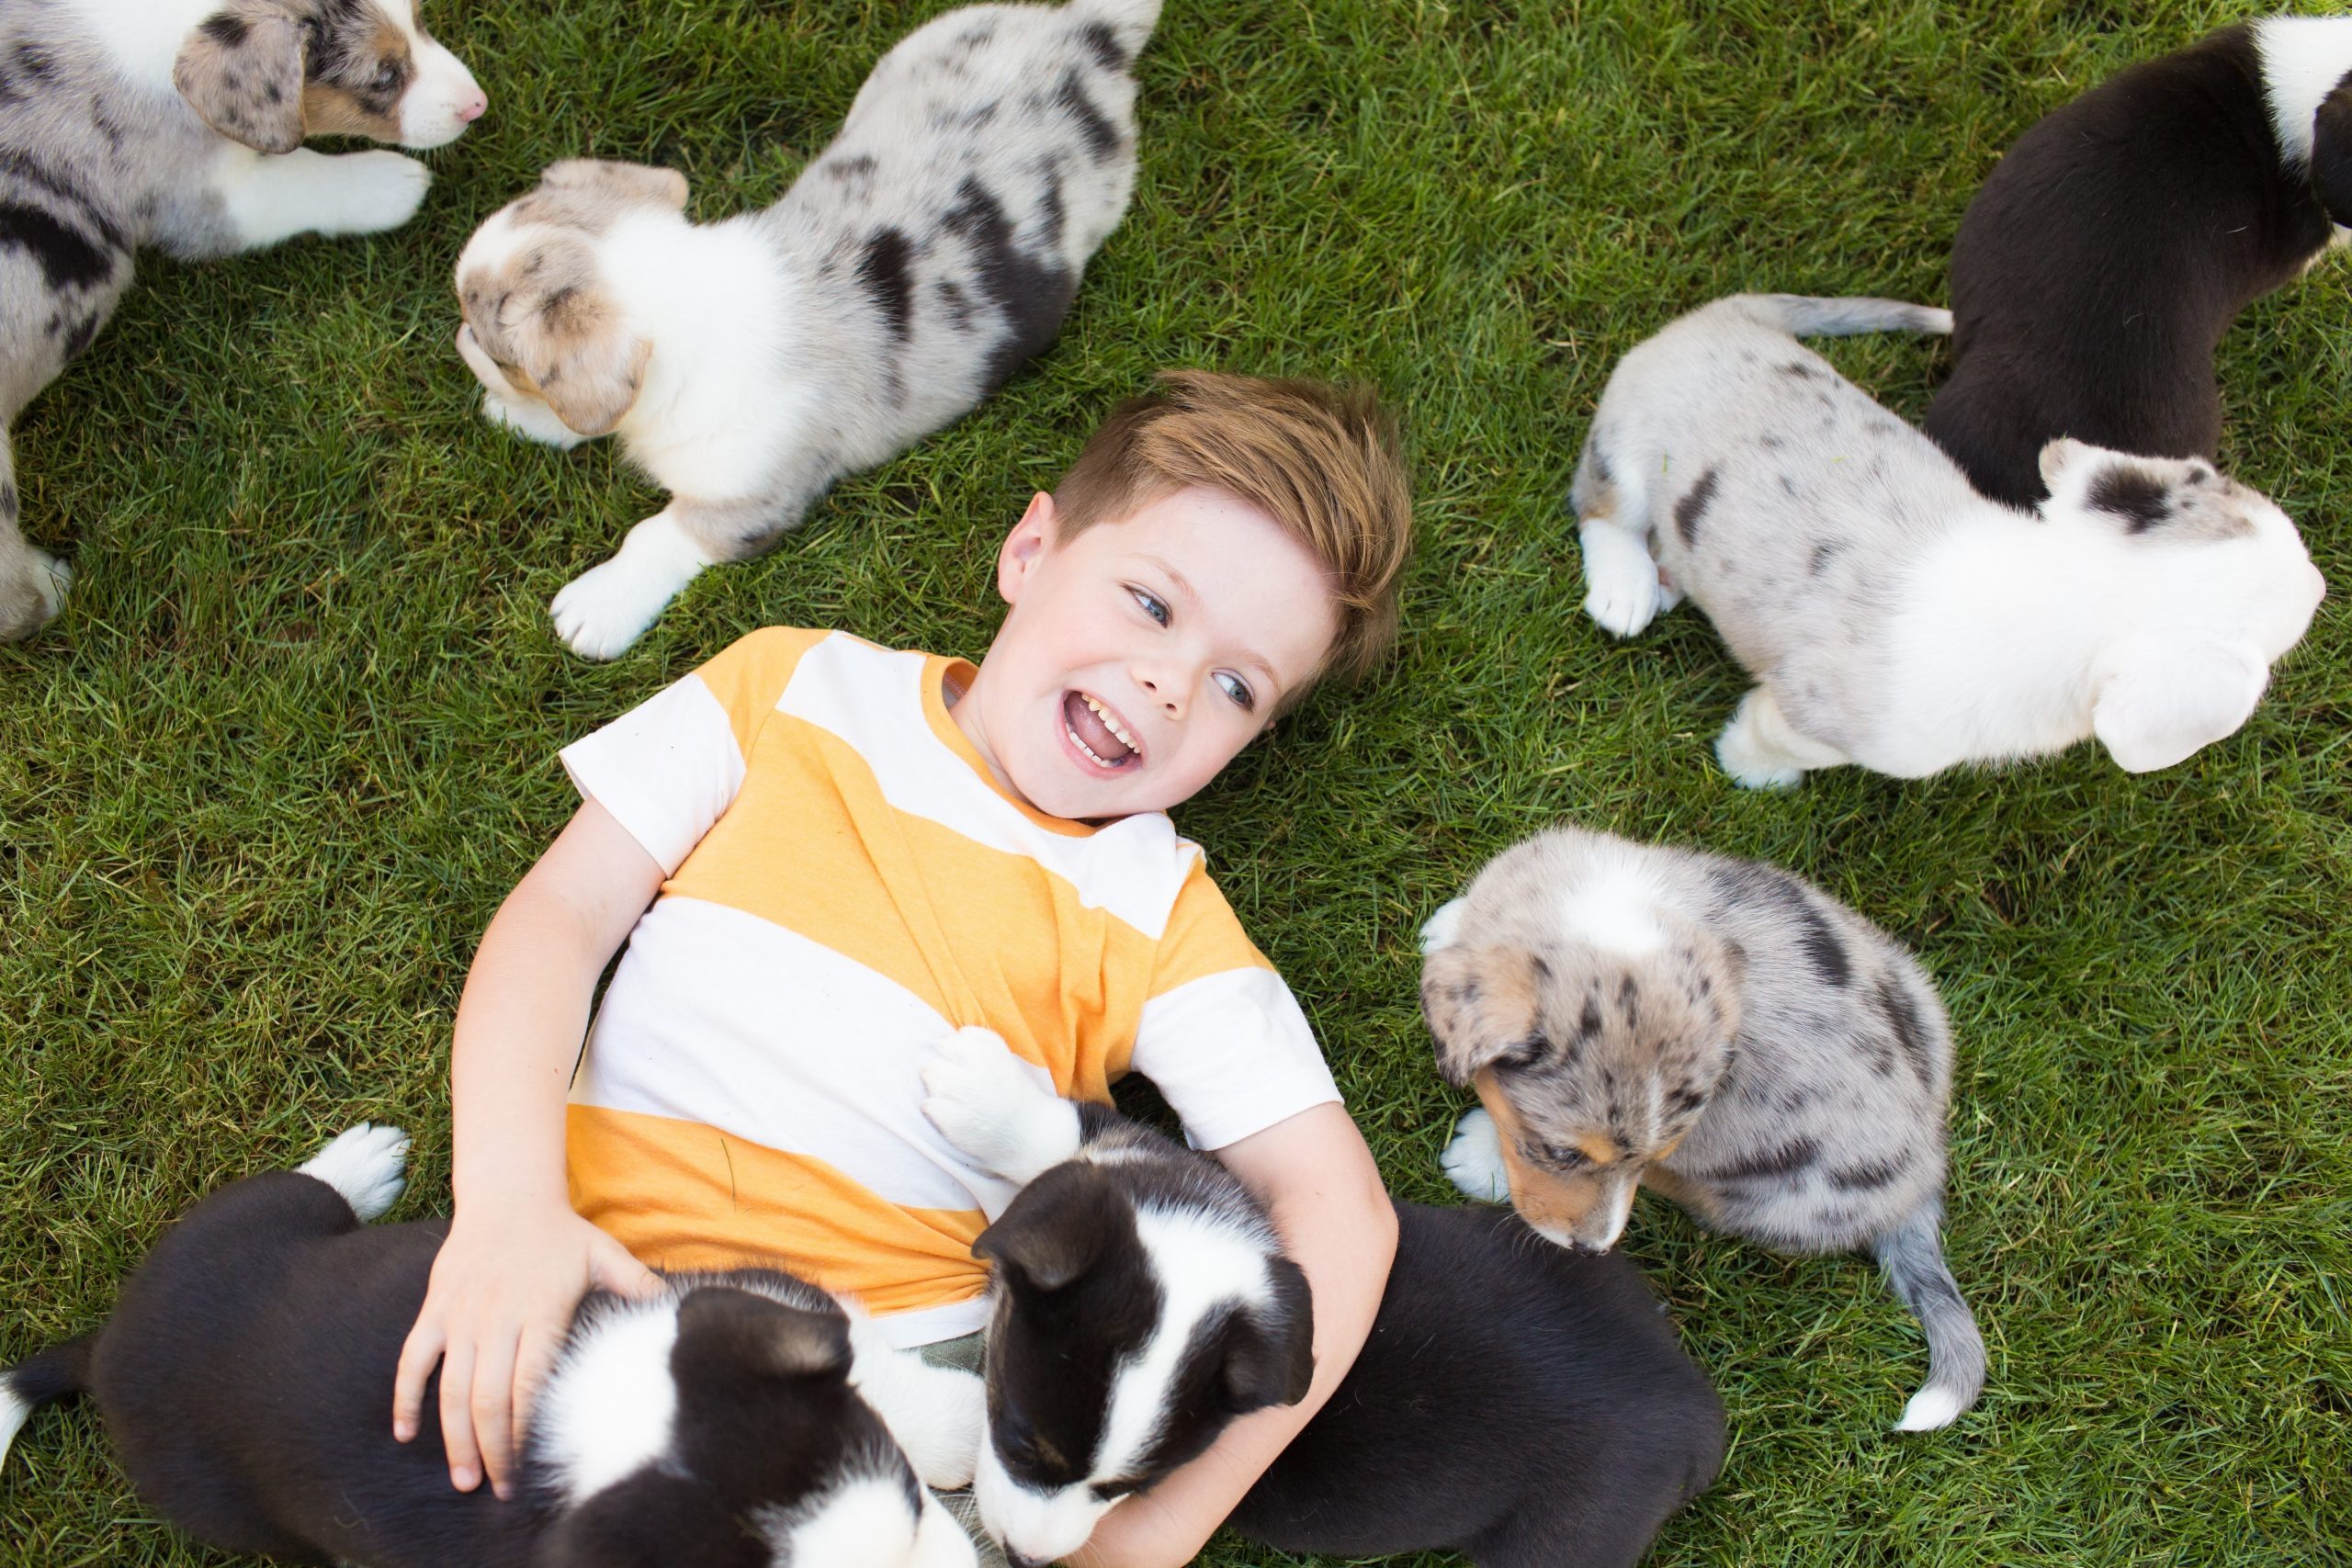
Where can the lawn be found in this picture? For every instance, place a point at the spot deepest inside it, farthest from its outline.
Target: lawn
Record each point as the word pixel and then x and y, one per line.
pixel 262 786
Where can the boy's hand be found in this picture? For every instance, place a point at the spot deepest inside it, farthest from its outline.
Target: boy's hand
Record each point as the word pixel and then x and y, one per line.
pixel 503 1293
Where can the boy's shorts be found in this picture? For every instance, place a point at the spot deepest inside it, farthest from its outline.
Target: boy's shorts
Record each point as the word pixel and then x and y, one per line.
pixel 964 1356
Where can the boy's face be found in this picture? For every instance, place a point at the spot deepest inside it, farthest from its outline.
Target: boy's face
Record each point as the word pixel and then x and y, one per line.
pixel 1140 656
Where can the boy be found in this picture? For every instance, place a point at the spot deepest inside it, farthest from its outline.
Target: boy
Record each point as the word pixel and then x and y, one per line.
pixel 857 851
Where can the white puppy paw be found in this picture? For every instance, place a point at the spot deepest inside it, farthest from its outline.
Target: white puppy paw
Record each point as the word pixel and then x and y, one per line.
pixel 1621 579
pixel 532 421
pixel 366 1164
pixel 1750 762
pixel 938 1415
pixel 373 191
pixel 603 611
pixel 983 1101
pixel 1441 929
pixel 1474 1159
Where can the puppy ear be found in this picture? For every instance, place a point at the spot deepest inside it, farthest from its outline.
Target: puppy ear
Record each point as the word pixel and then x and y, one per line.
pixel 720 1326
pixel 1480 1003
pixel 1270 1359
pixel 546 323
pixel 2332 153
pixel 626 185
pixel 2165 702
pixel 1056 1229
pixel 241 69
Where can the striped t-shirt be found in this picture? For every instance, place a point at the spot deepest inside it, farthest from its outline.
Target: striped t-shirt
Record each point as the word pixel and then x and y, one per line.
pixel 846 884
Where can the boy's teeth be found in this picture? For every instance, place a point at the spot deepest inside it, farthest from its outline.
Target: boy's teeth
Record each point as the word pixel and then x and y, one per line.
pixel 1112 725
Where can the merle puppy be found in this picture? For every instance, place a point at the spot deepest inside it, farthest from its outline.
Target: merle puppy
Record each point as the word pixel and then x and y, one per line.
pixel 730 1422
pixel 1516 1403
pixel 746 364
pixel 179 124
pixel 2117 240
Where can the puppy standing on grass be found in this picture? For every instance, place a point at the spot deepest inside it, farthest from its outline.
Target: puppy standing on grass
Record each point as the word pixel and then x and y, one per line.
pixel 1892 616
pixel 747 365
pixel 1715 1029
pixel 179 124
pixel 2114 244
pixel 738 1419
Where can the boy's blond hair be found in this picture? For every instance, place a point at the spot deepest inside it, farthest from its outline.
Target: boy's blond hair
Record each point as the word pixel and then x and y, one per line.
pixel 1319 459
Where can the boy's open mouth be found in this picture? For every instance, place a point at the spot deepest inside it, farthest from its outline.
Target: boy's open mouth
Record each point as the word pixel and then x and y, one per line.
pixel 1096 729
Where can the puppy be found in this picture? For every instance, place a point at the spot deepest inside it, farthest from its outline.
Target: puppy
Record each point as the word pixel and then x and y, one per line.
pixel 179 124
pixel 747 365
pixel 2117 240
pixel 1892 616
pixel 733 1419
pixel 1715 1029
pixel 1520 1405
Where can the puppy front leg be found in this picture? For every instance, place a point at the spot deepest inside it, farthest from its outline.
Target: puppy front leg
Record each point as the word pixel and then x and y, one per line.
pixel 987 1102
pixel 1622 589
pixel 937 1414
pixel 270 198
pixel 1761 750
pixel 32 583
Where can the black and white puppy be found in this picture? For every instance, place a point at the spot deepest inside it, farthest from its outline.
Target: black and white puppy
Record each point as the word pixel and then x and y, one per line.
pixel 1522 1405
pixel 179 124
pixel 739 1420
pixel 746 364
pixel 2117 240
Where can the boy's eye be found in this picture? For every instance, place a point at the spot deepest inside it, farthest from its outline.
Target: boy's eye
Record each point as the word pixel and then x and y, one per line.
pixel 1236 688
pixel 1152 605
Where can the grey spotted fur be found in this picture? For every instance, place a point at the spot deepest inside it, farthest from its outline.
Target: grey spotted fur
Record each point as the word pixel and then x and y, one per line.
pixel 93 165
pixel 1892 616
pixel 1750 1046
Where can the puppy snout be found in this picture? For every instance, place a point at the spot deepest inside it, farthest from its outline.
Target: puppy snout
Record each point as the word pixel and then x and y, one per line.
pixel 472 108
pixel 1020 1561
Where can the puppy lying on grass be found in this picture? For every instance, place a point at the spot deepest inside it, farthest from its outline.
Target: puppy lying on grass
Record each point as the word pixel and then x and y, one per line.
pixel 735 1418
pixel 1892 616
pixel 1716 1030
pixel 2115 244
pixel 746 364
pixel 179 124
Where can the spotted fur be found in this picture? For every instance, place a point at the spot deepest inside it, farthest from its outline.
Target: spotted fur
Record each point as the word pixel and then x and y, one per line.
pixel 1715 1029
pixel 920 258
pixel 177 124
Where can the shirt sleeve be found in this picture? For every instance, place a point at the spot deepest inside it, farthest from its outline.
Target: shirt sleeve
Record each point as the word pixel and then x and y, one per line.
pixel 668 768
pixel 1221 1036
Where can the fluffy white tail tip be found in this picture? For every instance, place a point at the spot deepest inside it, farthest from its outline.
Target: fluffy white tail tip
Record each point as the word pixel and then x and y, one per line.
pixel 13 1412
pixel 364 1165
pixel 1930 1408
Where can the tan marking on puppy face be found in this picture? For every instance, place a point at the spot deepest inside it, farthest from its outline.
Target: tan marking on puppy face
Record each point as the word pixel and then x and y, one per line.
pixel 539 314
pixel 1561 1204
pixel 356 84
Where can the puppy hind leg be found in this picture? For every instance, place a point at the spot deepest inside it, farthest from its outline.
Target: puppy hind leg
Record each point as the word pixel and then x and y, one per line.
pixel 32 583
pixel 1761 750
pixel 365 1163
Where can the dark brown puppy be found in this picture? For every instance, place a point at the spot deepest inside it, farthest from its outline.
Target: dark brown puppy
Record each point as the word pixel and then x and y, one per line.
pixel 2117 240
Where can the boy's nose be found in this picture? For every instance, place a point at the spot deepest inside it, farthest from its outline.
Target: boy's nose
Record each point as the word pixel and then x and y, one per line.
pixel 1165 691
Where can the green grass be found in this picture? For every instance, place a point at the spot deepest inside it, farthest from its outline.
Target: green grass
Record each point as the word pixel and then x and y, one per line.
pixel 262 786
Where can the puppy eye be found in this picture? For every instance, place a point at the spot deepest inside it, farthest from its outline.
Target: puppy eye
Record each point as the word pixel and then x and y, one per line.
pixel 1112 1491
pixel 1236 688
pixel 387 75
pixel 1555 1156
pixel 1152 605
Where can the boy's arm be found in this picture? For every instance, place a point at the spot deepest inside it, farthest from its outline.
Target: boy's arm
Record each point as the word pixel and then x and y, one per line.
pixel 1335 1219
pixel 517 1259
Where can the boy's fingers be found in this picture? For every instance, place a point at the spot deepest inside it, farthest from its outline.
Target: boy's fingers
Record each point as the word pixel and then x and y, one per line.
pixel 532 1364
pixel 418 1354
pixel 611 1267
pixel 457 1421
pixel 492 1406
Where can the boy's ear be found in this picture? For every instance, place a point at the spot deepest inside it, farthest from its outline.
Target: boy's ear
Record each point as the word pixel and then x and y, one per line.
pixel 1024 547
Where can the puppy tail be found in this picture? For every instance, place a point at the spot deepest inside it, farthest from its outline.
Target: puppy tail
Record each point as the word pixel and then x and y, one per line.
pixel 1801 315
pixel 1913 1255
pixel 1131 22
pixel 41 1378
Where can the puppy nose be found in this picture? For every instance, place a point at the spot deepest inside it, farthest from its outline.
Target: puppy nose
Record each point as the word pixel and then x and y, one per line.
pixel 474 108
pixel 1020 1561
